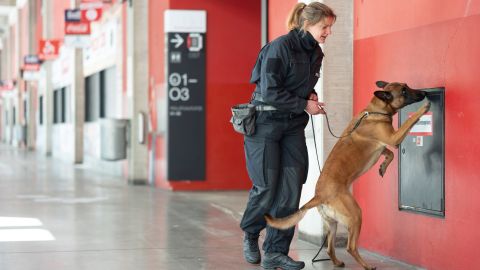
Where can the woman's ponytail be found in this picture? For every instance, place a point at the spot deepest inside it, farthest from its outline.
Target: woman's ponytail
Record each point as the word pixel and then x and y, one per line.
pixel 295 20
pixel 311 13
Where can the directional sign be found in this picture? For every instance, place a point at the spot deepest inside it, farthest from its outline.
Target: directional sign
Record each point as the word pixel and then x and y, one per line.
pixel 91 14
pixel 6 85
pixel 31 62
pixel 178 40
pixel 73 15
pixel 88 4
pixel 185 32
pixel 48 49
pixel 77 28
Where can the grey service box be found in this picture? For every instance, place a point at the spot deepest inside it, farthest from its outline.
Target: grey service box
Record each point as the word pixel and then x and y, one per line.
pixel 113 141
pixel 422 158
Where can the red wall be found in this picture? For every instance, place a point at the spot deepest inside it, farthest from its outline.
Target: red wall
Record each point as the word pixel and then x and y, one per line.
pixel 278 11
pixel 425 44
pixel 233 41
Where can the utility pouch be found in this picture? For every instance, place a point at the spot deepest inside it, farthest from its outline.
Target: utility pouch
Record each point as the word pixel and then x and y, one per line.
pixel 243 118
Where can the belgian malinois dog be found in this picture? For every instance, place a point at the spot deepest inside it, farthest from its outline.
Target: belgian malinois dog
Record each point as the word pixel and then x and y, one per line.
pixel 362 143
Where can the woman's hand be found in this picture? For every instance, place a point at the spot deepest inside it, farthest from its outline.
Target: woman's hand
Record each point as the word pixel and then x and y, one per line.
pixel 314 107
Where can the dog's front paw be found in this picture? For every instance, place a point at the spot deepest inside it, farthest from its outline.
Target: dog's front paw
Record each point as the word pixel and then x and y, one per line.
pixel 425 107
pixel 382 170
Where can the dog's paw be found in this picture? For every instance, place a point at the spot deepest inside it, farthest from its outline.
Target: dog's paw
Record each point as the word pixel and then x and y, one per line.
pixel 425 107
pixel 382 170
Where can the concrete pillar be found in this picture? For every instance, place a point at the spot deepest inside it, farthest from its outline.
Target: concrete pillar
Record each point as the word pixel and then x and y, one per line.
pixel 18 103
pixel 338 72
pixel 335 88
pixel 48 90
pixel 78 108
pixel 137 79
pixel 4 60
pixel 31 86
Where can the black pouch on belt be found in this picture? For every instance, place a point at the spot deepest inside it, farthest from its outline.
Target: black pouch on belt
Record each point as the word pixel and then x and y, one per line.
pixel 243 118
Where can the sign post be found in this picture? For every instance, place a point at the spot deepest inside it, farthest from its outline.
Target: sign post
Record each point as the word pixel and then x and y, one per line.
pixel 185 55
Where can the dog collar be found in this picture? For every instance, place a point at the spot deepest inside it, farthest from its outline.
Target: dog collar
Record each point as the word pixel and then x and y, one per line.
pixel 386 114
pixel 367 113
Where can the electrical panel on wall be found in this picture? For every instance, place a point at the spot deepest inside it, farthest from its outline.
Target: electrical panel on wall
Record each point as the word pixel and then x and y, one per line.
pixel 422 158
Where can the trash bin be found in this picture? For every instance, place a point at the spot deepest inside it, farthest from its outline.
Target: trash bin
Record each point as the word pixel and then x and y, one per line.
pixel 21 133
pixel 113 133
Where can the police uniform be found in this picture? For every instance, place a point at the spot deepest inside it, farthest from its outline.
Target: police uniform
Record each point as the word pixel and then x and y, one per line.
pixel 285 74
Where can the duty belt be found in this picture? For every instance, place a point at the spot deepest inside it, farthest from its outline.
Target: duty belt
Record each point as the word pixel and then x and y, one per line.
pixel 258 97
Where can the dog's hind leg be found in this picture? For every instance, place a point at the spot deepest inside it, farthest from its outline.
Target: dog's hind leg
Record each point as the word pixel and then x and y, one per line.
pixel 328 214
pixel 351 214
pixel 332 233
pixel 388 158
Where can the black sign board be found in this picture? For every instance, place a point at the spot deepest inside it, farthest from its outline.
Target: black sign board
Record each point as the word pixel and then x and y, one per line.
pixel 31 59
pixel 73 15
pixel 186 106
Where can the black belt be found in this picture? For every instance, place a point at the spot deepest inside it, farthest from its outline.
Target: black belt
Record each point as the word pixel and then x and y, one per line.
pixel 265 108
pixel 258 97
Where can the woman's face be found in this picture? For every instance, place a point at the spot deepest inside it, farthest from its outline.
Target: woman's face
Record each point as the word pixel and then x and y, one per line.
pixel 321 30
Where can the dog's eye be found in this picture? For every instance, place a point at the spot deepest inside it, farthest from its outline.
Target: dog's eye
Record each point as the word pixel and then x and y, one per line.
pixel 404 92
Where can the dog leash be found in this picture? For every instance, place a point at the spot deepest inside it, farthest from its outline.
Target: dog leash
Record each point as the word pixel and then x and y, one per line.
pixel 356 124
pixel 320 169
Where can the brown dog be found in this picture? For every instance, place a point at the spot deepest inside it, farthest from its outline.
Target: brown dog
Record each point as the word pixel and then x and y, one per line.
pixel 361 145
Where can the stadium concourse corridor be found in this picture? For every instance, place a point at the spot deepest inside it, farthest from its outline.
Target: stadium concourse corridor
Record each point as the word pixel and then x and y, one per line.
pixel 55 215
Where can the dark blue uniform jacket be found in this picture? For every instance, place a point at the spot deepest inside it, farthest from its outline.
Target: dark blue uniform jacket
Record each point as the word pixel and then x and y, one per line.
pixel 287 70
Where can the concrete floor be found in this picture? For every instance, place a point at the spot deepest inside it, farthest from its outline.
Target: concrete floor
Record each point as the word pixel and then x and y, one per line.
pixel 79 219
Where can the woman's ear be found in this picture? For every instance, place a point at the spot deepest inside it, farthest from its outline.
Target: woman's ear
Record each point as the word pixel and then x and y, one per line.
pixel 381 84
pixel 305 24
pixel 384 95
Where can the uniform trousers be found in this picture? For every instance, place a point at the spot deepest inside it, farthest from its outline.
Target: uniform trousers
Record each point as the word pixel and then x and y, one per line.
pixel 277 164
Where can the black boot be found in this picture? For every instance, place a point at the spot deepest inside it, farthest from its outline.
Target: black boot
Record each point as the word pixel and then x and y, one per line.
pixel 279 260
pixel 251 252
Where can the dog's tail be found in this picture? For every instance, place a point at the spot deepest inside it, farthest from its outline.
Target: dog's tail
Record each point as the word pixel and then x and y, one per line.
pixel 293 219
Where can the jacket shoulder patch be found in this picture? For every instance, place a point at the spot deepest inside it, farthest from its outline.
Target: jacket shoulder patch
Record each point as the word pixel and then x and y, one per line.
pixel 274 65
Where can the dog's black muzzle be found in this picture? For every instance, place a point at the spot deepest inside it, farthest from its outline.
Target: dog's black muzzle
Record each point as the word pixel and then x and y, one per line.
pixel 414 96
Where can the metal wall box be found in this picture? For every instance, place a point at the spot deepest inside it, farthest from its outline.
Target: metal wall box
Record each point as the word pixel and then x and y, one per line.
pixel 113 133
pixel 422 158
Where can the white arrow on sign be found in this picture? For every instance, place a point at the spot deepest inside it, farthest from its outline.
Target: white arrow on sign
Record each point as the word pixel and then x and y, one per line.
pixel 178 40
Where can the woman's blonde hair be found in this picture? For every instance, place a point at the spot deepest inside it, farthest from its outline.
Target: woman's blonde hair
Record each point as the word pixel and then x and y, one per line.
pixel 311 13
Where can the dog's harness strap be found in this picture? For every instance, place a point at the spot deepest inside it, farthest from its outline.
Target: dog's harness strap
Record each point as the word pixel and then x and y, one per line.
pixel 356 124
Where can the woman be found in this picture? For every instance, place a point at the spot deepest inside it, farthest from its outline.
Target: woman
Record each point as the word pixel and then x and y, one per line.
pixel 285 74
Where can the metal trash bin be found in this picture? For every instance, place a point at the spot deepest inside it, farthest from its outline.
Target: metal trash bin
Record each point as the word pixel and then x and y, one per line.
pixel 21 133
pixel 113 141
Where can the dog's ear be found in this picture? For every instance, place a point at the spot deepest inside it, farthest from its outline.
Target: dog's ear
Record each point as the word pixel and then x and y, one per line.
pixel 384 95
pixel 381 84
